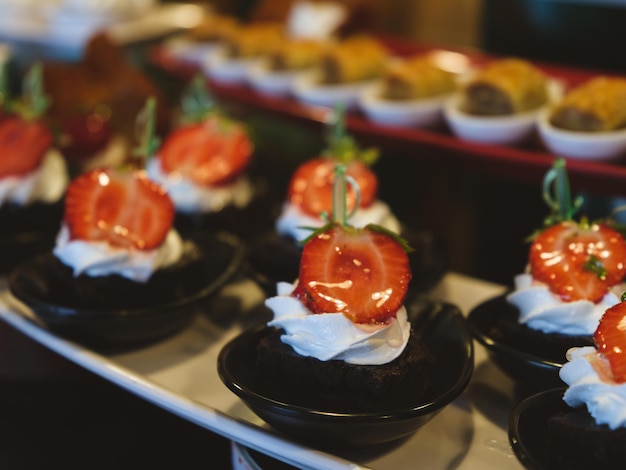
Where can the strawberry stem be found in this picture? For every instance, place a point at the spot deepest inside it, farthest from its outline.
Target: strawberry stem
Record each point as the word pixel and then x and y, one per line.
pixel 145 131
pixel 34 102
pixel 341 146
pixel 340 195
pixel 557 195
pixel 196 101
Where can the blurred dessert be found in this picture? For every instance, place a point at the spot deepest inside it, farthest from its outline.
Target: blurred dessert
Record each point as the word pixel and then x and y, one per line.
pixel 575 272
pixel 33 174
pixel 505 87
pixel 598 105
pixel 252 40
pixel 355 59
pixel 295 54
pixel 204 164
pixel 214 28
pixel 96 114
pixel 414 78
pixel 342 339
pixel 593 432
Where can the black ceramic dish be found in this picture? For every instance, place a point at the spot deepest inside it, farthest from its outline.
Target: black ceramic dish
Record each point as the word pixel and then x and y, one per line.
pixel 442 328
pixel 528 427
pixel 124 326
pixel 525 355
pixel 273 258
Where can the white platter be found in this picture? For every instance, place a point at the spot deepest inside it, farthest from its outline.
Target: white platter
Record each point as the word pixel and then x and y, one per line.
pixel 179 374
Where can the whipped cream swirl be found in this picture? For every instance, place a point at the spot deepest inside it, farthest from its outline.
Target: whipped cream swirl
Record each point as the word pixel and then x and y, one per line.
pixel 292 220
pixel 101 259
pixel 189 197
pixel 541 309
pixel 47 183
pixel 333 336
pixel 604 398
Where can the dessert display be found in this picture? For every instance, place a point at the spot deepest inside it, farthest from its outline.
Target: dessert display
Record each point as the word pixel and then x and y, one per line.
pixel 274 255
pixel 343 71
pixel 500 102
pixel 33 174
pixel 204 165
pixel 412 92
pixel 589 121
pixel 341 336
pixel 118 257
pixel 575 271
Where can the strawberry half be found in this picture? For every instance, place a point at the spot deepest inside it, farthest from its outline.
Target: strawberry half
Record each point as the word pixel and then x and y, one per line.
pixel 578 262
pixel 311 186
pixel 362 273
pixel 23 145
pixel 610 339
pixel 125 209
pixel 210 153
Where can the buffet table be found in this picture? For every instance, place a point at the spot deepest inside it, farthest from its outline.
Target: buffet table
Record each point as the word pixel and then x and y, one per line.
pixel 179 374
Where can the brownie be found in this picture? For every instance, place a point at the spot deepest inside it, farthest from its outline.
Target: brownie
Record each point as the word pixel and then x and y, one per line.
pixel 337 385
pixel 507 330
pixel 575 441
pixel 54 281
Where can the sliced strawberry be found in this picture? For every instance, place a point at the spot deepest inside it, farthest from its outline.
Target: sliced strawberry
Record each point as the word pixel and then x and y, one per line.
pixel 125 209
pixel 610 339
pixel 23 145
pixel 361 273
pixel 579 262
pixel 311 186
pixel 210 153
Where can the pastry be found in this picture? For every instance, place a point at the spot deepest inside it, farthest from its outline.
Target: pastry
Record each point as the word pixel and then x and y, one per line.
pixel 252 40
pixel 415 78
pixel 598 105
pixel 343 341
pixel 593 432
pixel 505 87
pixel 575 272
pixel 33 175
pixel 295 54
pixel 214 28
pixel 355 59
pixel 203 164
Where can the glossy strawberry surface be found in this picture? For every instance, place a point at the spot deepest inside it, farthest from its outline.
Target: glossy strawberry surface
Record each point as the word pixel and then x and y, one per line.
pixel 125 209
pixel 579 262
pixel 361 273
pixel 311 186
pixel 610 339
pixel 210 153
pixel 23 144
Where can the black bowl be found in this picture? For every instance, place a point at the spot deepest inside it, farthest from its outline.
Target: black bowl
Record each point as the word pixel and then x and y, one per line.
pixel 527 356
pixel 273 258
pixel 444 331
pixel 528 427
pixel 110 326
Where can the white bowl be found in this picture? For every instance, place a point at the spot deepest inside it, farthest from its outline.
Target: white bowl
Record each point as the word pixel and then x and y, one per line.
pixel 226 70
pixel 503 130
pixel 582 145
pixel 423 112
pixel 272 83
pixel 306 88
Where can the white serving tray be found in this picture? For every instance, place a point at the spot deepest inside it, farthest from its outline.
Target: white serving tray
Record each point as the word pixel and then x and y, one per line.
pixel 179 374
